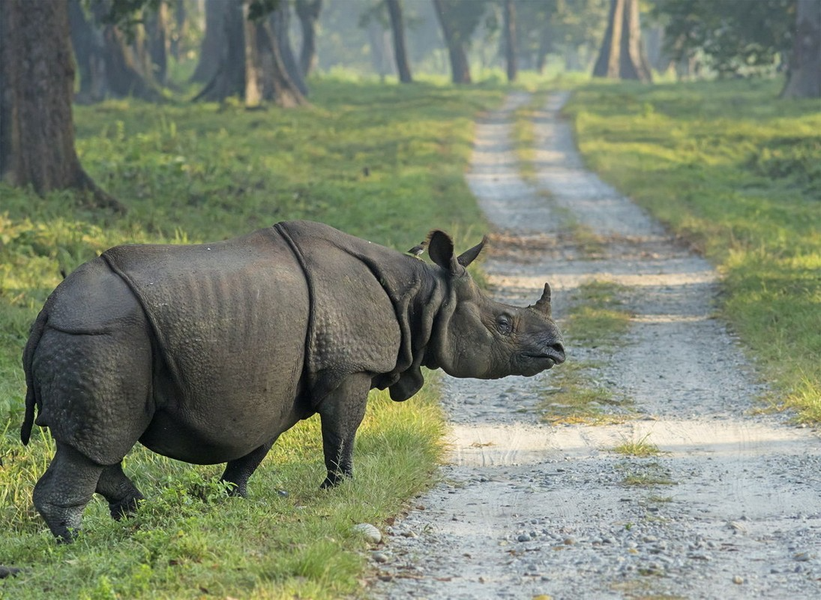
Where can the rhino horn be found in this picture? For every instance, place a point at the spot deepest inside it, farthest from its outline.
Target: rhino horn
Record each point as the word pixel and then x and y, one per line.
pixel 543 304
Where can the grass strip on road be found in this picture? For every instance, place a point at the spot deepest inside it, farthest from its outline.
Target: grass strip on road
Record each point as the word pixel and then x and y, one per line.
pixel 737 172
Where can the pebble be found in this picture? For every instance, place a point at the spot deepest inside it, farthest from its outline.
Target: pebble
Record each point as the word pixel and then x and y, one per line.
pixel 380 557
pixel 738 580
pixel 369 532
pixel 523 538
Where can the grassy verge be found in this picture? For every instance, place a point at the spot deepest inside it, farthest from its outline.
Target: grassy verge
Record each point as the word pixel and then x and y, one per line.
pixel 378 161
pixel 736 171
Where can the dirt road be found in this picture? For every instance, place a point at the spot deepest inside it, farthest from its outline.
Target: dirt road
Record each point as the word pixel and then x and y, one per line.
pixel 732 506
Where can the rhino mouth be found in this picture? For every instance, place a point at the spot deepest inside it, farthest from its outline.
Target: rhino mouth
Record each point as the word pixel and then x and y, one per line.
pixel 553 355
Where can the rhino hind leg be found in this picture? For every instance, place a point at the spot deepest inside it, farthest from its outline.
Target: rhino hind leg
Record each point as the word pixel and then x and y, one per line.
pixel 120 492
pixel 237 472
pixel 65 489
pixel 341 413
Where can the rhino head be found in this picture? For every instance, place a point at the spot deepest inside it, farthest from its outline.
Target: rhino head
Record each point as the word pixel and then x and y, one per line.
pixel 480 338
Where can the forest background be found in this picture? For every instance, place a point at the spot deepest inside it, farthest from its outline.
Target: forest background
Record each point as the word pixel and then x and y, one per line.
pixel 128 121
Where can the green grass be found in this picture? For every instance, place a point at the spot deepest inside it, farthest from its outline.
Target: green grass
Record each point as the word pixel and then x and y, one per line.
pixel 524 135
pixel 577 397
pixel 597 315
pixel 191 173
pixel 736 172
pixel 640 448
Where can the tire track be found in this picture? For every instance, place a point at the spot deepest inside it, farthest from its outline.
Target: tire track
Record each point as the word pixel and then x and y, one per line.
pixel 527 509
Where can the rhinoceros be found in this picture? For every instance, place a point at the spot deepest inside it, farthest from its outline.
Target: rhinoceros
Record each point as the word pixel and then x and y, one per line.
pixel 207 353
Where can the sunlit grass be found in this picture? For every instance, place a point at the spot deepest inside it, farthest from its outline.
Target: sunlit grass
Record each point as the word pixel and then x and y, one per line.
pixel 640 448
pixel 734 170
pixel 380 161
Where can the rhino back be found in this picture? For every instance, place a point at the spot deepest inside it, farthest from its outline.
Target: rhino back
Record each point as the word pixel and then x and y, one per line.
pixel 230 320
pixel 359 295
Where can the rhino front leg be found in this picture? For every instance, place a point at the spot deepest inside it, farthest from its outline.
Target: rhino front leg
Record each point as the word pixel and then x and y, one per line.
pixel 238 471
pixel 341 413
pixel 65 489
pixel 118 489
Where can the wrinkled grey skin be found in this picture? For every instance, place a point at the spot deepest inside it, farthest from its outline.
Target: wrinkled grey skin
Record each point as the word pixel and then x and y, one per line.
pixel 207 353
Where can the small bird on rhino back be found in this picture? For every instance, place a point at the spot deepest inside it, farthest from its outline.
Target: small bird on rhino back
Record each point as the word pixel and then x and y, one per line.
pixel 151 343
pixel 418 249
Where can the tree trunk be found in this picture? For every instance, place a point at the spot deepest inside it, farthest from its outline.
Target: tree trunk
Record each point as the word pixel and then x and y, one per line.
pixel 381 57
pixel 280 21
pixel 804 79
pixel 400 50
pixel 214 41
pixel 88 52
pixel 180 30
pixel 308 13
pixel 275 83
pixel 459 66
pixel 510 39
pixel 156 29
pixel 36 81
pixel 122 71
pixel 621 55
pixel 634 64
pixel 229 72
pixel 544 49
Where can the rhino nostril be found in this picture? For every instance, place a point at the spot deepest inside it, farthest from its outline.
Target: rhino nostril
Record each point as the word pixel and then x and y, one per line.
pixel 558 347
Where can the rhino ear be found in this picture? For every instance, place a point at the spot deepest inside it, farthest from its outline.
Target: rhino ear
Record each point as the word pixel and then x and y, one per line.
pixel 469 256
pixel 440 250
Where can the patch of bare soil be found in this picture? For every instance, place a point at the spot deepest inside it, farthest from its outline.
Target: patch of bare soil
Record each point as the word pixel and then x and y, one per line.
pixel 728 509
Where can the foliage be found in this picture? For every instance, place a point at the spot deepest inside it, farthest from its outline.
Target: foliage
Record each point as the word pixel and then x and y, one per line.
pixel 375 160
pixel 735 37
pixel 733 170
pixel 464 17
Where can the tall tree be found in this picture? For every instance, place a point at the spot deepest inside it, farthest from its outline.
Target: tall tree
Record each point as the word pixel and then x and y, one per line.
pixel 510 39
pixel 37 79
pixel 804 79
pixel 400 50
pixel 275 80
pixel 621 55
pixel 280 21
pixel 228 77
pixel 308 13
pixel 87 42
pixel 158 40
pixel 180 30
pixel 213 42
pixel 251 65
pixel 458 20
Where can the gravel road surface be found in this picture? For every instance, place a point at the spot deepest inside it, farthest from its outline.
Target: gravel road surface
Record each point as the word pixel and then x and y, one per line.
pixel 531 510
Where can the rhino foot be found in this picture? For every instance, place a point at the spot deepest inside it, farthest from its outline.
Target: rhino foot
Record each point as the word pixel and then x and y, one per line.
pixel 64 490
pixel 8 572
pixel 122 495
pixel 125 507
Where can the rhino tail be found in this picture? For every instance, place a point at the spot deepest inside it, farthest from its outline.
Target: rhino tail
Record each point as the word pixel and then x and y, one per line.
pixel 28 356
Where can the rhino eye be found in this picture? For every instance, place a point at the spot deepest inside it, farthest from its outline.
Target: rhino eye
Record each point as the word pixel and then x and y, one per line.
pixel 504 323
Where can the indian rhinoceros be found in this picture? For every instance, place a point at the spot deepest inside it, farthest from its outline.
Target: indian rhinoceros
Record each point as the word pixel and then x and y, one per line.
pixel 207 353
